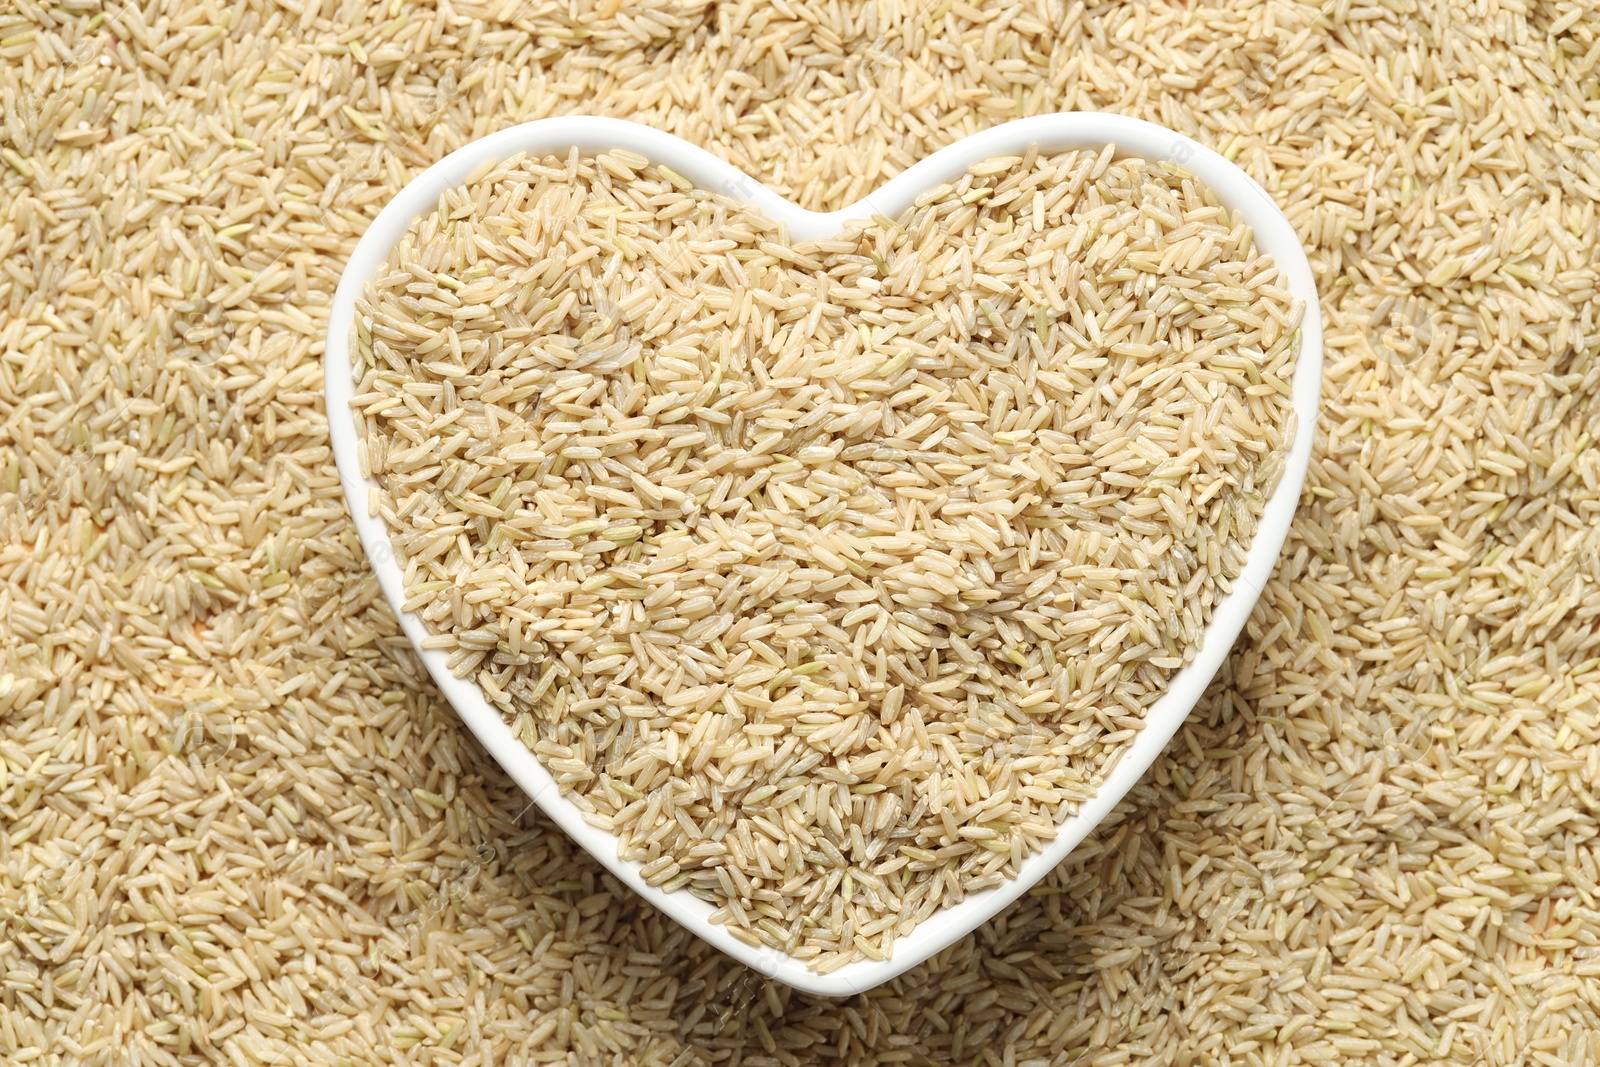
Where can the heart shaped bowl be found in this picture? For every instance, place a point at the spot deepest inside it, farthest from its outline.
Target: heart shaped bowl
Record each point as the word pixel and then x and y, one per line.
pixel 1050 133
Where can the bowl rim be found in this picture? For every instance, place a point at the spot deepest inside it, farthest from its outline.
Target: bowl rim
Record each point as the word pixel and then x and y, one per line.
pixel 1060 131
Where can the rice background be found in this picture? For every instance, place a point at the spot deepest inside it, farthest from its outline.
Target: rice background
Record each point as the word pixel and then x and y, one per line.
pixel 237 825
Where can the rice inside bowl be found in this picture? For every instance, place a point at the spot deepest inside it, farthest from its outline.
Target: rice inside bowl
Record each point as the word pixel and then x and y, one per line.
pixel 830 575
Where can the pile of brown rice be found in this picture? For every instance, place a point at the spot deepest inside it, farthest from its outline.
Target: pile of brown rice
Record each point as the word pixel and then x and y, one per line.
pixel 829 576
pixel 237 826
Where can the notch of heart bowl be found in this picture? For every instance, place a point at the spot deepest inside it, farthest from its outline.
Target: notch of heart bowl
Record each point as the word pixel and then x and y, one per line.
pixel 1050 133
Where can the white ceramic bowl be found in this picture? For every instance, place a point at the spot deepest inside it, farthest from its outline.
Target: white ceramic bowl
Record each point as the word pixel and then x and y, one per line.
pixel 1051 133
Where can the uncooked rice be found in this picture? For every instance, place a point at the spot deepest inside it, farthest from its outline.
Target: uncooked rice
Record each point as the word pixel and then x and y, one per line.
pixel 237 825
pixel 830 576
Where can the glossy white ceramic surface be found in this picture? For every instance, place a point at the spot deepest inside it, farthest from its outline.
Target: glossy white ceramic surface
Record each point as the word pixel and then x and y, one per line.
pixel 1056 132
